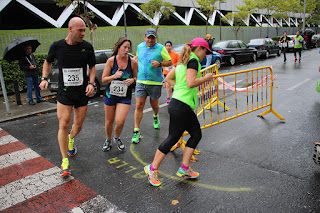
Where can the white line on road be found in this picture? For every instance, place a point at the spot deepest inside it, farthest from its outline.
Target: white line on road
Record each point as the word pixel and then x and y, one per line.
pixel 299 84
pixel 7 139
pixel 150 109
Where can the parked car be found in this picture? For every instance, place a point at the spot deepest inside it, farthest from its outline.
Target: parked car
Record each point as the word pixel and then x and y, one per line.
pixel 101 59
pixel 216 57
pixel 265 47
pixel 235 51
pixel 315 40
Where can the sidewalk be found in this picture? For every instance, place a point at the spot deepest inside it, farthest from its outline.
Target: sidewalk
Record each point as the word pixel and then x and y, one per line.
pixel 25 110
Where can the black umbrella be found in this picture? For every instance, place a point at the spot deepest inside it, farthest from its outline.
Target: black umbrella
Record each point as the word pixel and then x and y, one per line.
pixel 15 49
pixel 309 31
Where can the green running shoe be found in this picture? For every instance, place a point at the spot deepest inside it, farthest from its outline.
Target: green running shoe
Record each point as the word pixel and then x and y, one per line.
pixel 136 137
pixel 156 122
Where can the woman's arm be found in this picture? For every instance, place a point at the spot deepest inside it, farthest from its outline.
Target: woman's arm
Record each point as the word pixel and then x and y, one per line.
pixel 171 77
pixel 193 81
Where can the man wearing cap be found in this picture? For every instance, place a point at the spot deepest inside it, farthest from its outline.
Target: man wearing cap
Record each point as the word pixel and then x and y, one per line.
pixel 151 57
pixel 210 41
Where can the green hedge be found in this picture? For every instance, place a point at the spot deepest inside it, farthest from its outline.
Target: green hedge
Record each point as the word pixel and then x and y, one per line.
pixel 11 72
pixel 276 38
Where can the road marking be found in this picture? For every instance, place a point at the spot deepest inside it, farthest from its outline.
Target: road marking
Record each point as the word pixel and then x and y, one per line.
pixel 28 187
pixel 208 186
pixel 17 157
pixel 24 169
pixel 89 206
pixel 93 103
pixel 299 84
pixel 150 109
pixel 7 139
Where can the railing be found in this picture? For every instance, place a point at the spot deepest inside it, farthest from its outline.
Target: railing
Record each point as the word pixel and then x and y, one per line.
pixel 231 95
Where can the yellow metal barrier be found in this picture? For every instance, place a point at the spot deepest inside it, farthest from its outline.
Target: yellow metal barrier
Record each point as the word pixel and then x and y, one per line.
pixel 247 91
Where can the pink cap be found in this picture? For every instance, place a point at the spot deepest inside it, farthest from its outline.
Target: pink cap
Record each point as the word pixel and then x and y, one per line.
pixel 200 42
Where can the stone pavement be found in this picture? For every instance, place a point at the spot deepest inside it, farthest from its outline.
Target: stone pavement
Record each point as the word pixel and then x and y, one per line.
pixel 25 110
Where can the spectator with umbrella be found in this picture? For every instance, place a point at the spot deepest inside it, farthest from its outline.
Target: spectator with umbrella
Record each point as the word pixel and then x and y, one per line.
pixel 29 65
pixel 17 50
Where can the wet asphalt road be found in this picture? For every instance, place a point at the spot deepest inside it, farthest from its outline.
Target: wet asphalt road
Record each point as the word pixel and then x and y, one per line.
pixel 247 164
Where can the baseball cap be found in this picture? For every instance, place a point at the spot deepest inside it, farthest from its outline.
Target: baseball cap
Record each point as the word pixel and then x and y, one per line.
pixel 151 32
pixel 168 41
pixel 200 42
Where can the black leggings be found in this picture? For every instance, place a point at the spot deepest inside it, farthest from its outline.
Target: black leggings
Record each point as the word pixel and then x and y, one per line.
pixel 295 50
pixel 181 118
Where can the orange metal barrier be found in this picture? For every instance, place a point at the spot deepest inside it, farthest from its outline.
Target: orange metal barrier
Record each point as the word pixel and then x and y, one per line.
pixel 231 95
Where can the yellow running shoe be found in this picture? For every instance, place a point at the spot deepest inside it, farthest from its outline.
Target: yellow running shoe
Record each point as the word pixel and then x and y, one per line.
pixel 65 168
pixel 72 149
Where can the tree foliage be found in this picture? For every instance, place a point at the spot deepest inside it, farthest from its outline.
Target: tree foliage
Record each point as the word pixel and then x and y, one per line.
pixel 237 18
pixel 81 10
pixel 207 8
pixel 157 8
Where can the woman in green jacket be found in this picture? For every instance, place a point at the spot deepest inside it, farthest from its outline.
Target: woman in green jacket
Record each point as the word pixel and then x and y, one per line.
pixel 298 41
pixel 185 78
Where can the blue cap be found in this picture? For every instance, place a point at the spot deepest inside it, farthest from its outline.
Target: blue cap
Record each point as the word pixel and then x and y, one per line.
pixel 168 41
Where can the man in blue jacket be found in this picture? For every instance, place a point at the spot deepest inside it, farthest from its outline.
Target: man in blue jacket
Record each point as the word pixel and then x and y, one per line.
pixel 151 57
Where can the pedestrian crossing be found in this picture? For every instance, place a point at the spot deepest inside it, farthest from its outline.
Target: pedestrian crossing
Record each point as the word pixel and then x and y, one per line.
pixel 30 183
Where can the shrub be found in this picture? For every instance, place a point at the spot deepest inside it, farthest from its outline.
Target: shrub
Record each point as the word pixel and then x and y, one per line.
pixel 11 72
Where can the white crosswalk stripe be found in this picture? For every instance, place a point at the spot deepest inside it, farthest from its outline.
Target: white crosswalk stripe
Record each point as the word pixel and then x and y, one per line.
pixel 17 157
pixel 30 186
pixel 7 139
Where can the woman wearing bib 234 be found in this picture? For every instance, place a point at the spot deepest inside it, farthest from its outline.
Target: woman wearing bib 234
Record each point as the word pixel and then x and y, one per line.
pixel 185 78
pixel 120 73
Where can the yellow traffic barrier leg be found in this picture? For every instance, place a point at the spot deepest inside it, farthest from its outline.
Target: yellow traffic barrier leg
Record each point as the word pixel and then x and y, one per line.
pixel 182 144
pixel 273 112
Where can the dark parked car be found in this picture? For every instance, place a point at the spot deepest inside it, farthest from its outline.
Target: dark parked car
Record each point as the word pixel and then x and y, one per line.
pixel 101 59
pixel 216 57
pixel 235 51
pixel 265 47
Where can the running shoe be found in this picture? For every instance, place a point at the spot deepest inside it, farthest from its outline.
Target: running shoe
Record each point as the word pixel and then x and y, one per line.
pixel 299 60
pixel 295 60
pixel 72 149
pixel 106 145
pixel 65 169
pixel 187 173
pixel 120 144
pixel 156 122
pixel 152 176
pixel 136 137
pixel 168 100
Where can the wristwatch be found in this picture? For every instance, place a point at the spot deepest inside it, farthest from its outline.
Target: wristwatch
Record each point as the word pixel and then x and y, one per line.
pixel 93 84
pixel 44 79
pixel 160 64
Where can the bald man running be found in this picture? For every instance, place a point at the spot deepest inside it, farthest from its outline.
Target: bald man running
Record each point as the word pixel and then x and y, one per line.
pixel 73 55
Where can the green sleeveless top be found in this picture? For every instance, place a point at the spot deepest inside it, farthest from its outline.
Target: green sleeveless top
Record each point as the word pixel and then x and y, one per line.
pixel 181 91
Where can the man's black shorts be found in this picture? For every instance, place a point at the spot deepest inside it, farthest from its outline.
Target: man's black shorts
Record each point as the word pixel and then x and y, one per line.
pixel 75 99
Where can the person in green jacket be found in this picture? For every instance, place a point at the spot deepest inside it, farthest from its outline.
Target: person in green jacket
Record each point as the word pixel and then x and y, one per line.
pixel 298 41
pixel 185 78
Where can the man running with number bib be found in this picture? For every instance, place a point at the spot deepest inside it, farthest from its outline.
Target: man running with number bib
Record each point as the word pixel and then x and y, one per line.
pixel 73 55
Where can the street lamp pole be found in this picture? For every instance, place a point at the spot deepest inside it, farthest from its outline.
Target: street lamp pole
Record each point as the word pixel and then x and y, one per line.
pixel 304 16
pixel 124 19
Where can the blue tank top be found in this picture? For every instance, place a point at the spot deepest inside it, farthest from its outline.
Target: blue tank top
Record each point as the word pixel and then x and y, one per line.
pixel 127 73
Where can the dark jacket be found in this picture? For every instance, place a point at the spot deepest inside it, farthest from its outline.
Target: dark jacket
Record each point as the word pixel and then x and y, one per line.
pixel 210 42
pixel 24 64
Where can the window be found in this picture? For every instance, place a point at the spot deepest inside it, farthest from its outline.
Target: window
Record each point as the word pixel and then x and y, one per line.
pixel 242 45
pixel 101 58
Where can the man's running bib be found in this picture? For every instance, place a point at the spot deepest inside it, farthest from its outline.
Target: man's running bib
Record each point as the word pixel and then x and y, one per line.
pixel 72 76
pixel 118 88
